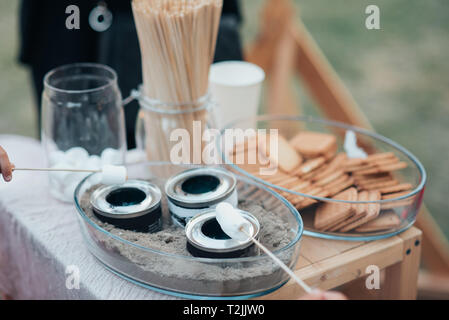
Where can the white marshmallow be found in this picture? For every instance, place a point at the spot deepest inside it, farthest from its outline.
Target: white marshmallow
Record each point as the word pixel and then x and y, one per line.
pixel 135 156
pixel 232 222
pixel 60 176
pixel 111 156
pixel 78 156
pixel 56 157
pixel 113 175
pixel 93 163
pixel 352 149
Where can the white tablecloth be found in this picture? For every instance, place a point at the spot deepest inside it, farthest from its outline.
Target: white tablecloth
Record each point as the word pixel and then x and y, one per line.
pixel 40 238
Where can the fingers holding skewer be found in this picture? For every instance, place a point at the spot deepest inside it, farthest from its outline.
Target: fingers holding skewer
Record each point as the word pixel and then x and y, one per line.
pixel 6 167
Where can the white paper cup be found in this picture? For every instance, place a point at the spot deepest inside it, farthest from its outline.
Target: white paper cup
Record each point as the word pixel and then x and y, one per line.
pixel 236 86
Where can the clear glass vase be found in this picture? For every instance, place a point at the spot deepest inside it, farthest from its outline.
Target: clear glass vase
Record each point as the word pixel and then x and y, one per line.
pixel 177 132
pixel 83 123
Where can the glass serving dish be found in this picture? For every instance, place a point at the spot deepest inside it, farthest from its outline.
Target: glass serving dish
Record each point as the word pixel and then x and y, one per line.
pixel 400 211
pixel 183 275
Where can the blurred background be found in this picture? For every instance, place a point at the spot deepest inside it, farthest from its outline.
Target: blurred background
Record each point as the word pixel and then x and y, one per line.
pixel 399 75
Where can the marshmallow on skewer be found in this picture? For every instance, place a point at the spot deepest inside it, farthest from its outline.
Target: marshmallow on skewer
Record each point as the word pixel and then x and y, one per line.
pixel 57 157
pixel 238 228
pixel 77 156
pixel 113 174
pixel 93 163
pixel 232 222
pixel 111 156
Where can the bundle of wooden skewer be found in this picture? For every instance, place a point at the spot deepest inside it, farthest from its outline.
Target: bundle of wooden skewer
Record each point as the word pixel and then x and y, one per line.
pixel 177 41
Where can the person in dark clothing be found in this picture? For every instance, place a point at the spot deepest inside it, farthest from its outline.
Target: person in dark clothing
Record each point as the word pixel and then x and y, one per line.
pixel 46 43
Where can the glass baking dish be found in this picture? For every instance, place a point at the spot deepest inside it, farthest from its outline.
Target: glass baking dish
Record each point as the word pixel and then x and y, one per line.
pixel 402 209
pixel 184 275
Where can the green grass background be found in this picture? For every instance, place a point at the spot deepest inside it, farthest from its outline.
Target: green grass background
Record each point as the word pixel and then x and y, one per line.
pixel 399 75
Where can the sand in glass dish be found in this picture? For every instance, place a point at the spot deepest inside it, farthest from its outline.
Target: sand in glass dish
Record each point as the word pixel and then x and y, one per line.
pixel 177 42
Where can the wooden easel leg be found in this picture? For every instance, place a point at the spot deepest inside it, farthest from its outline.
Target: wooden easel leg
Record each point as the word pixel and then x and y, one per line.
pixel 433 286
pixel 280 95
pixel 276 15
pixel 336 103
pixel 322 82
pixel 435 251
pixel 356 290
pixel 401 279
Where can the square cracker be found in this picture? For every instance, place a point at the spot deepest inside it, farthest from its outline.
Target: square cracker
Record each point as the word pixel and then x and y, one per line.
pixel 329 214
pixel 385 221
pixel 333 165
pixel 286 158
pixel 309 166
pixel 397 188
pixel 314 144
pixel 372 213
pixel 361 210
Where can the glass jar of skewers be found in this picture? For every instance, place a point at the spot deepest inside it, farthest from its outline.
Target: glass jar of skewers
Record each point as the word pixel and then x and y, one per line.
pixel 176 132
pixel 83 123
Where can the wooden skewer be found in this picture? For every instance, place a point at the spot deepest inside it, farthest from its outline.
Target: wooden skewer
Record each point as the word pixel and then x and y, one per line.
pixel 55 169
pixel 177 42
pixel 279 262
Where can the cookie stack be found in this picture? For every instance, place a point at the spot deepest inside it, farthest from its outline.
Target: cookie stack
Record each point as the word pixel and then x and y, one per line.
pixel 310 164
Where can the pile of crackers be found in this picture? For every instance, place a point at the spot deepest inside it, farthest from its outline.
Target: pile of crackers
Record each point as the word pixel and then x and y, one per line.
pixel 310 163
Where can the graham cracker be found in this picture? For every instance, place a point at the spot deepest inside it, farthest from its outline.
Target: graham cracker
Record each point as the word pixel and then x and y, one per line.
pixel 378 156
pixel 333 165
pixel 396 204
pixel 290 181
pixel 378 185
pixel 373 177
pixel 279 176
pixel 362 181
pixel 335 189
pixel 372 212
pixel 361 210
pixel 385 221
pixel 311 192
pixel 302 186
pixel 386 161
pixel 310 175
pixel 383 168
pixel 394 195
pixel 330 213
pixel 287 158
pixel 363 167
pixel 314 144
pixel 310 165
pixel 396 188
pixel 354 162
pixel 309 201
pixel 249 143
pixel 331 153
pixel 332 177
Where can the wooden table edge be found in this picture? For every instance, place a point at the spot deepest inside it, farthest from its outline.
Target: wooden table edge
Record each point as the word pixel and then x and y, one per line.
pixel 388 254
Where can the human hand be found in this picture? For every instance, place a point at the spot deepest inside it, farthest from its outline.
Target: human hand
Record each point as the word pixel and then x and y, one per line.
pixel 323 295
pixel 5 166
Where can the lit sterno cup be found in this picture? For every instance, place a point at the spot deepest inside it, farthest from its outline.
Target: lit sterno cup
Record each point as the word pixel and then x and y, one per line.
pixel 193 191
pixel 134 205
pixel 206 238
pixel 236 86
